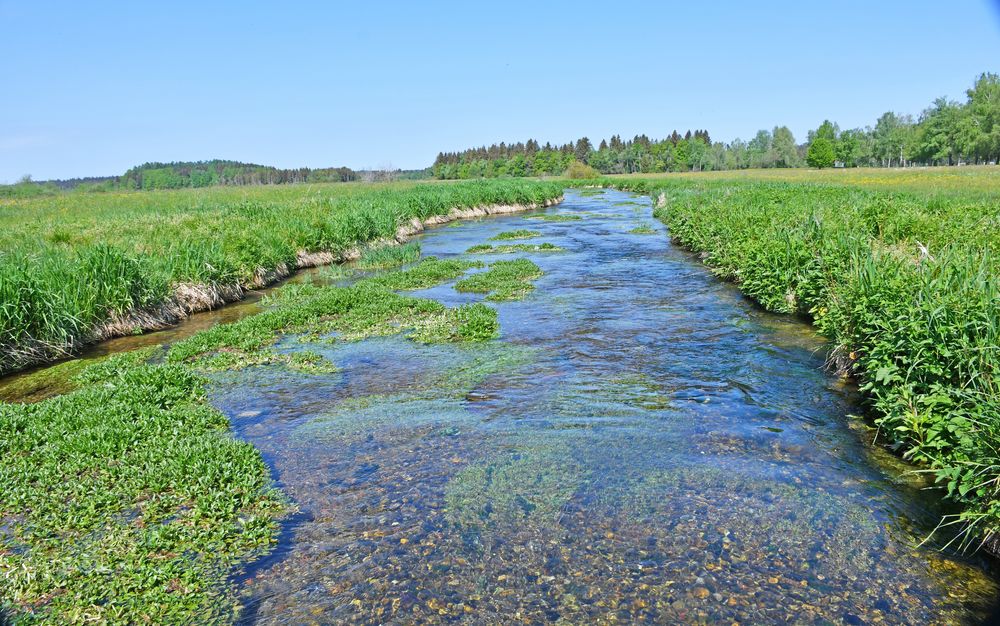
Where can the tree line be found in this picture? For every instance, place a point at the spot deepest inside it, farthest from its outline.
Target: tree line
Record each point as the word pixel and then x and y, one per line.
pixel 946 133
pixel 177 175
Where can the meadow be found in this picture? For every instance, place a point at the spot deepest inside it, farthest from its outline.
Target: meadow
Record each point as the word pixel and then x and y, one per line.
pixel 77 267
pixel 899 270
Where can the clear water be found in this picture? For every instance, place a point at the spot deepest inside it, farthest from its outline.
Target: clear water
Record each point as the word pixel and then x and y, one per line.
pixel 642 445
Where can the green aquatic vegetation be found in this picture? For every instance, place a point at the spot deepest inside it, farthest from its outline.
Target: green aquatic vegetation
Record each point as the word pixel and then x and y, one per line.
pixel 504 280
pixel 366 309
pixel 332 273
pixel 389 256
pixel 555 217
pixel 528 485
pixel 811 523
pixel 485 248
pixel 50 381
pixel 903 282
pixel 429 272
pixel 366 416
pixel 520 233
pixel 131 251
pixel 127 501
pixel 643 229
pixel 439 399
pixel 310 362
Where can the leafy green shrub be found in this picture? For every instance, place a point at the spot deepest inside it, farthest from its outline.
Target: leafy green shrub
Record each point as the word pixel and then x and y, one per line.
pixel 579 171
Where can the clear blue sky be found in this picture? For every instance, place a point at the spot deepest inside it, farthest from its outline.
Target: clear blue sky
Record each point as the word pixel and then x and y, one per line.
pixel 92 88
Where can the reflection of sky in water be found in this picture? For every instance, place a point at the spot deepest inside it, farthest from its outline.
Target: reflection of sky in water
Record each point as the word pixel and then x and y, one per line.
pixel 643 445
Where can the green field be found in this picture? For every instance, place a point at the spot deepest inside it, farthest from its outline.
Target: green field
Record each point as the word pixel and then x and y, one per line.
pixel 899 269
pixel 70 264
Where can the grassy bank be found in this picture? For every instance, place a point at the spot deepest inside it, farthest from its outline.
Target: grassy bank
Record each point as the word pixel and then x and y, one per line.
pixel 126 500
pixel 903 281
pixel 79 267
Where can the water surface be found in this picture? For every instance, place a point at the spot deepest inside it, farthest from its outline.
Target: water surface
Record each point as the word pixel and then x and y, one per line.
pixel 642 445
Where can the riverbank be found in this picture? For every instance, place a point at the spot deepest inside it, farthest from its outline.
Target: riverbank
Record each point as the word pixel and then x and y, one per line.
pixel 127 500
pixel 903 283
pixel 80 268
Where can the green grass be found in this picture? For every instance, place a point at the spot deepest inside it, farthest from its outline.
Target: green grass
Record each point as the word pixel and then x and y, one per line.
pixel 905 283
pixel 504 280
pixel 70 262
pixel 387 257
pixel 127 500
pixel 521 233
pixel 485 248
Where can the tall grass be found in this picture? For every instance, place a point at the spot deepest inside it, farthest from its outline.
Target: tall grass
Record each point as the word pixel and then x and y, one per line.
pixel 905 284
pixel 70 262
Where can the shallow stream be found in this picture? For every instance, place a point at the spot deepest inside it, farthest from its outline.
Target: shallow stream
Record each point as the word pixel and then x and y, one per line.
pixel 643 444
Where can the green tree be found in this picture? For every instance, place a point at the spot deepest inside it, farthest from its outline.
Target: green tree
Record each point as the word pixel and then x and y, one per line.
pixel 821 153
pixel 850 148
pixel 758 149
pixel 982 131
pixel 783 148
pixel 937 137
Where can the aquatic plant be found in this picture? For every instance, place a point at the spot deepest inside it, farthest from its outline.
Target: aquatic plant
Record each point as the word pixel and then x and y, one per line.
pixel 485 248
pixel 643 229
pixel 127 501
pixel 504 280
pixel 530 484
pixel 521 233
pixel 366 309
pixel 555 217
pixel 429 272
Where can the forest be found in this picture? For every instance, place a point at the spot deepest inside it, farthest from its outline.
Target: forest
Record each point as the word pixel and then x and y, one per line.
pixel 191 174
pixel 947 132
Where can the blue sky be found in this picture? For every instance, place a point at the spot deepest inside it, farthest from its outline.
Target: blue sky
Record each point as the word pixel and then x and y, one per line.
pixel 94 88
